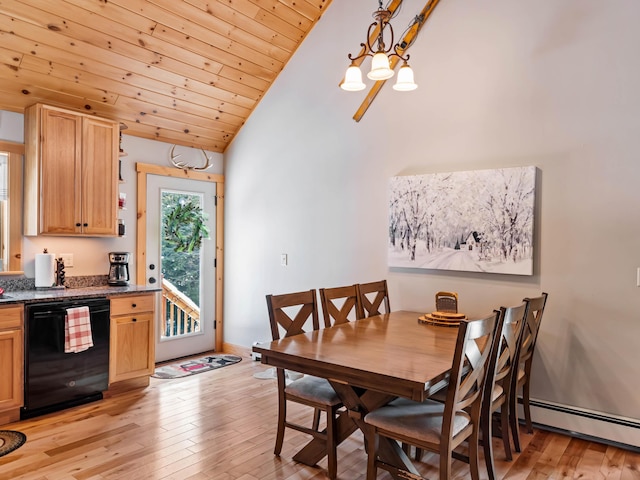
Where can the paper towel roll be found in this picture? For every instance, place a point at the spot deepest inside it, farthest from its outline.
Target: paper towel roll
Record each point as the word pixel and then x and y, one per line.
pixel 45 269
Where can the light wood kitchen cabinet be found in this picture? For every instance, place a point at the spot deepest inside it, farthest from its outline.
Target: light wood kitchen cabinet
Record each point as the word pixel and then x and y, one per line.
pixel 11 363
pixel 132 350
pixel 71 173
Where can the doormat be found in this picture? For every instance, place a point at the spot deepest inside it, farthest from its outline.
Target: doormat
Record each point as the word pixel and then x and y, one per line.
pixel 11 440
pixel 197 365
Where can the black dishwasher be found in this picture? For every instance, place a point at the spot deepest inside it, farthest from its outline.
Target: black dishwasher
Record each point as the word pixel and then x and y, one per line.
pixel 53 379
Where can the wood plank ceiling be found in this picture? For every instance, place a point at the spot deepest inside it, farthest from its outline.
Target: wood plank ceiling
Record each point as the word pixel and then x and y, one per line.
pixel 184 72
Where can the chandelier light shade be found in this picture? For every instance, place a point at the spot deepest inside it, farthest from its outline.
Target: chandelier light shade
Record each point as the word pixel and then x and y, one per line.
pixel 381 56
pixel 353 80
pixel 405 82
pixel 380 67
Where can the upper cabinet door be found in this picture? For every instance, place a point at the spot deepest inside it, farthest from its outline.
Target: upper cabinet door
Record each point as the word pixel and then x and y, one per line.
pixel 99 176
pixel 61 141
pixel 71 173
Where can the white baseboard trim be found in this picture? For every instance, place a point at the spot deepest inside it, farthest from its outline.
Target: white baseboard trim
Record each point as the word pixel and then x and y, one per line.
pixel 582 421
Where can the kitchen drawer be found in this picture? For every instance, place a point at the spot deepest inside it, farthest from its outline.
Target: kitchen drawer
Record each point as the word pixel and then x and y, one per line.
pixel 131 304
pixel 132 318
pixel 10 317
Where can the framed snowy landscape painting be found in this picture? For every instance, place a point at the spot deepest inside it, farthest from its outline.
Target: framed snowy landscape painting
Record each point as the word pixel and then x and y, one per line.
pixel 475 221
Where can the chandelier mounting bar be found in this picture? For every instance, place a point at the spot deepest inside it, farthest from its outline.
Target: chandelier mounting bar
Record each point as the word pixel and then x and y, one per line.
pixel 381 53
pixel 393 6
pixel 382 17
pixel 402 46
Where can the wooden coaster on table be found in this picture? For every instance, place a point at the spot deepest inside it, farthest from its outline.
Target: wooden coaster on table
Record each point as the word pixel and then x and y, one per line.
pixel 445 319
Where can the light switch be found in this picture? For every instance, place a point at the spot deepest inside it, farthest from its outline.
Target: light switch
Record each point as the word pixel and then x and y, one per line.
pixel 67 259
pixel 283 259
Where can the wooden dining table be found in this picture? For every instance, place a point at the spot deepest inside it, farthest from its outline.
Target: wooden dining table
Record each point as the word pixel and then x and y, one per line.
pixel 369 362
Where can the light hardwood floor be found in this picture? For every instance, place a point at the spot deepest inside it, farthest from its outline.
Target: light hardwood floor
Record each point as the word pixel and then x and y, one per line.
pixel 220 425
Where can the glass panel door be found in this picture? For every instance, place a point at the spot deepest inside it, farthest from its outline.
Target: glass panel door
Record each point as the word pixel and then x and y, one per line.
pixel 181 257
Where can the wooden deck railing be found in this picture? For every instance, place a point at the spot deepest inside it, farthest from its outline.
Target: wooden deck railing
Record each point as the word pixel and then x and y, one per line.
pixel 181 315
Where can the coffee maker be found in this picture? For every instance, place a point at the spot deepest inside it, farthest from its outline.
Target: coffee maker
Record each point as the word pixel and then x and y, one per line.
pixel 118 268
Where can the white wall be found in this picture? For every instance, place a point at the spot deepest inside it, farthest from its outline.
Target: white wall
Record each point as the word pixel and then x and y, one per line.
pixel 501 84
pixel 11 126
pixel 90 255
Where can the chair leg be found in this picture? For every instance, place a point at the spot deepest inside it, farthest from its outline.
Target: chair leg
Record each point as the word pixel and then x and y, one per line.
pixel 316 419
pixel 282 416
pixel 526 406
pixel 406 448
pixel 486 426
pixel 474 442
pixel 332 461
pixel 445 466
pixel 371 440
pixel 504 430
pixel 513 416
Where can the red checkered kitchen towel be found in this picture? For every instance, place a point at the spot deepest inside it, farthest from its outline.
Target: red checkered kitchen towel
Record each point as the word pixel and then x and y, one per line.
pixel 77 330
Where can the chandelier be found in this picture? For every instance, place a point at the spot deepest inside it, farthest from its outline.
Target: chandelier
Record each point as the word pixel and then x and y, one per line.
pixel 381 55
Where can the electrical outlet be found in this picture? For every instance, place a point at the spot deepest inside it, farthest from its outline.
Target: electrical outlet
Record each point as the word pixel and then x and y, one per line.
pixel 67 259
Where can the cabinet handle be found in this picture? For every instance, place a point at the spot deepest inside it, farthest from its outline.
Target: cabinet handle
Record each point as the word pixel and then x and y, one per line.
pixel 134 319
pixel 85 224
pixel 78 224
pixel 133 305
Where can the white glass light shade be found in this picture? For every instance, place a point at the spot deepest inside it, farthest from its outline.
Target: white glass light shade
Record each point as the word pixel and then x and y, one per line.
pixel 380 69
pixel 405 82
pixel 353 80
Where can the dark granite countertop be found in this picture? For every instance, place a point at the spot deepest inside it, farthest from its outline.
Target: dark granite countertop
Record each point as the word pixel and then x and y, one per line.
pixel 45 295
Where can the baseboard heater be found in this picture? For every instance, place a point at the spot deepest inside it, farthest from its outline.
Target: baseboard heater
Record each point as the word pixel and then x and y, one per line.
pixel 591 415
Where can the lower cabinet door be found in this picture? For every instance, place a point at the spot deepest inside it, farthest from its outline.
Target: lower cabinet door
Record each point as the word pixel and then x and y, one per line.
pixel 11 365
pixel 131 349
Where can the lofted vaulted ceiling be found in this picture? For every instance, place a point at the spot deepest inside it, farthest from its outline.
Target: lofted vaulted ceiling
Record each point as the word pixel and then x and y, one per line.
pixel 186 72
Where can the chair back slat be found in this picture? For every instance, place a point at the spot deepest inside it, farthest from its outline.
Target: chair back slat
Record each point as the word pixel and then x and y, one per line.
pixel 535 308
pixel 340 305
pixel 476 339
pixel 372 296
pixel 302 306
pixel 512 325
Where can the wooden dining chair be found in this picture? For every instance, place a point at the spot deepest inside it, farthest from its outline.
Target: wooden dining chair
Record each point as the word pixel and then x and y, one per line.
pixel 340 305
pixel 502 367
pixel 521 379
pixel 295 313
pixel 434 426
pixel 447 302
pixel 372 296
